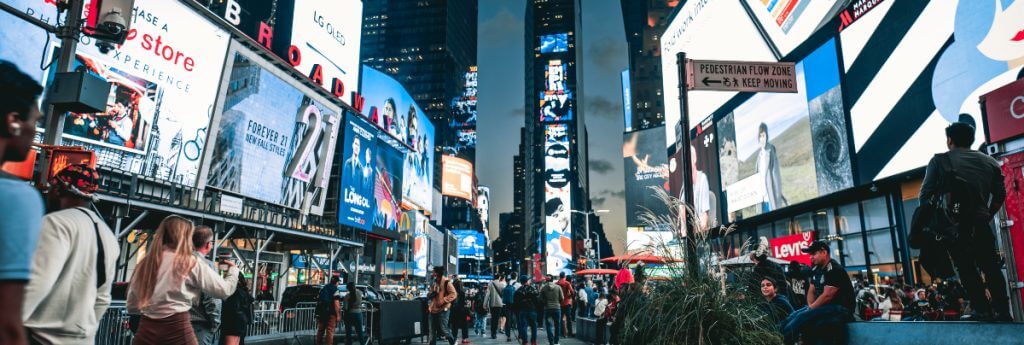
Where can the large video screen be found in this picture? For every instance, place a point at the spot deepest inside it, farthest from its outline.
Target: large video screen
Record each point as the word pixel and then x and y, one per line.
pixel 420 242
pixel 777 149
pixel 357 206
pixel 472 244
pixel 556 101
pixel 464 106
pixel 387 184
pixel 158 109
pixel 905 86
pixel 790 22
pixel 645 167
pixel 557 199
pixel 554 43
pixel 705 181
pixel 483 206
pixel 274 142
pixel 399 114
pixel 457 178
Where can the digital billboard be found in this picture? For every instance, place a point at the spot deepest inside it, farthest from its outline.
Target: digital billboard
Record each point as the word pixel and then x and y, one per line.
pixel 414 223
pixel 273 141
pixel 790 22
pixel 398 113
pixel 464 106
pixel 627 101
pixel 645 168
pixel 472 244
pixel 387 185
pixel 779 149
pixel 164 81
pixel 357 206
pixel 554 43
pixel 913 67
pixel 704 177
pixel 457 178
pixel 483 205
pixel 556 101
pixel 557 199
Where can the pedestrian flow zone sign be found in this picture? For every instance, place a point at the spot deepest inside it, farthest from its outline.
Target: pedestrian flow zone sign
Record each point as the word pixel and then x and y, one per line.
pixel 741 76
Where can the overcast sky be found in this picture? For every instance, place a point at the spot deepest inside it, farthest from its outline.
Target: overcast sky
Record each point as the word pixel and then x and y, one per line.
pixel 501 99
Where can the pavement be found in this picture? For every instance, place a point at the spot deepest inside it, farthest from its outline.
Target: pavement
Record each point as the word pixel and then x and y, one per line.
pixel 474 339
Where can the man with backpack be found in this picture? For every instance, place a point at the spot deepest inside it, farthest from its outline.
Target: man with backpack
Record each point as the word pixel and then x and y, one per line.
pixel 328 312
pixel 508 299
pixel 526 303
pixel 969 186
pixel 494 304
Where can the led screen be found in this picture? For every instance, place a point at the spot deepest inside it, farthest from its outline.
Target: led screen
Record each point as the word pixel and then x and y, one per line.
pixel 557 200
pixel 789 22
pixel 627 100
pixel 483 204
pixel 387 185
pixel 457 178
pixel 556 101
pixel 555 43
pixel 778 149
pixel 645 170
pixel 464 106
pixel 357 205
pixel 472 243
pixel 420 244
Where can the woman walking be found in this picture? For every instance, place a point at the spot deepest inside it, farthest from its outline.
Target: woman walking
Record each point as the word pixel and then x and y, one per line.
pixel 461 312
pixel 236 315
pixel 166 281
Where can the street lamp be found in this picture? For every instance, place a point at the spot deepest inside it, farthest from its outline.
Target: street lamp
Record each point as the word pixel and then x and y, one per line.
pixel 587 215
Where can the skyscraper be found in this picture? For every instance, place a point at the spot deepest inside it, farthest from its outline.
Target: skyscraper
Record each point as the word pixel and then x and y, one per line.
pixel 644 21
pixel 554 152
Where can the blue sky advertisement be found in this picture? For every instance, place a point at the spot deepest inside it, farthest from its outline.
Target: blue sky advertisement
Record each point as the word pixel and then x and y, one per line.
pixel 472 244
pixel 357 206
pixel 557 201
pixel 554 43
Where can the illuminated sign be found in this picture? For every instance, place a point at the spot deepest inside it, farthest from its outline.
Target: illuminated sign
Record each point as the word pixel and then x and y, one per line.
pixel 457 178
pixel 555 43
pixel 557 201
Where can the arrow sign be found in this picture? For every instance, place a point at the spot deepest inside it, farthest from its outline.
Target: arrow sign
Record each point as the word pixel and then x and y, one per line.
pixel 741 76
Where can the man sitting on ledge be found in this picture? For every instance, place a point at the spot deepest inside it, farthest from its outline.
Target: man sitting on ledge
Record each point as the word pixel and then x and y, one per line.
pixel 829 300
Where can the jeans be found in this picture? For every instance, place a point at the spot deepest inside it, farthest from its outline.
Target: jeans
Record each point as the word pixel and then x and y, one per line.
pixel 496 314
pixel 807 320
pixel 353 321
pixel 204 335
pixel 325 330
pixel 977 251
pixel 570 318
pixel 528 318
pixel 439 327
pixel 553 324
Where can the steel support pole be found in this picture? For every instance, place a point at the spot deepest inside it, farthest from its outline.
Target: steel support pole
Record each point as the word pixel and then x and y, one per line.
pixel 684 119
pixel 68 35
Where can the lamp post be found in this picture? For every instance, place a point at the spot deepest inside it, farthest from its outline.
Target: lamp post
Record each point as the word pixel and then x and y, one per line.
pixel 587 215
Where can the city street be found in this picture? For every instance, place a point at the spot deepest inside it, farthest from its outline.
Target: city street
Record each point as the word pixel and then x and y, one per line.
pixel 481 340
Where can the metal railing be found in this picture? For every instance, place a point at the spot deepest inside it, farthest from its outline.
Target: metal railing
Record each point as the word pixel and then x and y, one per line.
pixel 114 327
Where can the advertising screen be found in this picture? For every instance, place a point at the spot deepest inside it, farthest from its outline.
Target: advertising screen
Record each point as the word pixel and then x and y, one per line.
pixel 464 106
pixel 789 22
pixel 556 101
pixel 557 199
pixel 465 142
pixel 645 167
pixel 457 178
pixel 914 67
pixel 164 81
pixel 399 114
pixel 273 142
pixel 387 185
pixel 358 204
pixel 436 239
pixel 627 100
pixel 471 243
pixel 778 149
pixel 483 205
pixel 554 43
pixel 706 183
pixel 414 223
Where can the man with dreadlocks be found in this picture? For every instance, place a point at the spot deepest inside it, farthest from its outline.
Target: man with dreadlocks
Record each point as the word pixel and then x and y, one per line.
pixel 73 266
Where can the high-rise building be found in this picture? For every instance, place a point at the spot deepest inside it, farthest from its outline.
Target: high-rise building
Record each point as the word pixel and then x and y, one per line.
pixel 554 152
pixel 644 21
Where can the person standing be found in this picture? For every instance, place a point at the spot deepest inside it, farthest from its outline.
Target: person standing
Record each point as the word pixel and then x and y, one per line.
pixel 612 315
pixel 551 295
pixel 442 294
pixel 461 311
pixel 237 315
pixel 508 298
pixel 568 295
pixel 327 311
pixel 600 307
pixel 205 313
pixel 21 207
pixel 167 280
pixel 830 297
pixel 975 180
pixel 770 171
pixel 73 269
pixel 526 302
pixel 353 313
pixel 495 305
pixel 592 294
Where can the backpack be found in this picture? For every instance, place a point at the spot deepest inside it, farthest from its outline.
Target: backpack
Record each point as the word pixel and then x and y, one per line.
pixel 508 295
pixel 938 219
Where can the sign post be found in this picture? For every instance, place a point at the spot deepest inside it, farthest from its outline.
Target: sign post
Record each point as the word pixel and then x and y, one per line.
pixel 741 76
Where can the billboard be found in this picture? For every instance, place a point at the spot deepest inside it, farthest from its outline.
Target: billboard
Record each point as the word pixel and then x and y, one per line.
pixel 914 67
pixel 472 244
pixel 645 167
pixel 779 149
pixel 627 100
pixel 464 106
pixel 705 179
pixel 457 178
pixel 483 206
pixel 790 22
pixel 415 224
pixel 436 239
pixel 557 199
pixel 273 140
pixel 556 101
pixel 790 248
pixel 554 43
pixel 394 110
pixel 387 184
pixel 164 84
pixel 357 174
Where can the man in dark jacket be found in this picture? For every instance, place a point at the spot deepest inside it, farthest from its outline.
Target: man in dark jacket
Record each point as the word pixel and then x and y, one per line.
pixel 525 303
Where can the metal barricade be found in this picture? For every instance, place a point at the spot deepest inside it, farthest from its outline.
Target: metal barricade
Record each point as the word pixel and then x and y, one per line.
pixel 264 322
pixel 298 319
pixel 113 327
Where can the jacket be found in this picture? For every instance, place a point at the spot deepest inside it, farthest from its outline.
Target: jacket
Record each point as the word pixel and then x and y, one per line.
pixel 205 310
pixel 444 295
pixel 551 295
pixel 568 293
pixel 526 298
pixel 493 298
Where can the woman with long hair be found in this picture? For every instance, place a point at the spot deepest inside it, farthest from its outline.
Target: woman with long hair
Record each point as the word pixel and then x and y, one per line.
pixel 167 280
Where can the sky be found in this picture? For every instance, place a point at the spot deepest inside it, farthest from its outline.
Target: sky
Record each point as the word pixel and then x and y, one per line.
pixel 500 57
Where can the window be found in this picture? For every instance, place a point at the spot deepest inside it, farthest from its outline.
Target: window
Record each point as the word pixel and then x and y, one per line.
pixel 876 213
pixel 880 247
pixel 848 219
pixel 853 251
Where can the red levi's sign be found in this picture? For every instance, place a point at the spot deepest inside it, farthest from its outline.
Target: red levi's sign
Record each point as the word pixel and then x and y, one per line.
pixel 789 247
pixel 1004 112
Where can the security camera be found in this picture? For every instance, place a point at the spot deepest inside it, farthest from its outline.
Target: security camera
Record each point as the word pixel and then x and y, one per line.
pixel 111 24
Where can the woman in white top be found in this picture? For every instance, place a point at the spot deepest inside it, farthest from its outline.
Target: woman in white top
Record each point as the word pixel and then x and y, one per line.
pixel 167 280
pixel 600 307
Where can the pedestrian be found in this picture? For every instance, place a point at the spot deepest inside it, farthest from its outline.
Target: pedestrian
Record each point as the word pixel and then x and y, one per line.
pixel 353 313
pixel 527 301
pixel 568 296
pixel 830 298
pixel 69 289
pixel 442 294
pixel 495 305
pixel 891 307
pixel 553 298
pixel 206 310
pixel 600 307
pixel 21 207
pixel 765 268
pixel 776 306
pixel 592 294
pixel 167 280
pixel 479 312
pixel 328 310
pixel 461 311
pixel 974 182
pixel 612 315
pixel 237 314
pixel 508 299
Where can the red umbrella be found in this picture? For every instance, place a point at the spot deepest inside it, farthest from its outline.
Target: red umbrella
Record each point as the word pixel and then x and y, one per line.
pixel 596 271
pixel 635 258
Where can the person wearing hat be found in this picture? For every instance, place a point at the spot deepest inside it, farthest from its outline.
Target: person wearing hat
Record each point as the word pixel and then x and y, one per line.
pixel 976 184
pixel 73 268
pixel 829 297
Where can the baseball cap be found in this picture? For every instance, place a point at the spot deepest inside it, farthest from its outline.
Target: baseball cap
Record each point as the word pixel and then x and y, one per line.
pixel 815 246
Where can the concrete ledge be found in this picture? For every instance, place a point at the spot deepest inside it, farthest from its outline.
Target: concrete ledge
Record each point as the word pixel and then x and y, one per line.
pixel 936 333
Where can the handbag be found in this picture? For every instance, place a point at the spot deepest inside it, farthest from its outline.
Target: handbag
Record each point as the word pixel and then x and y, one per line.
pixel 936 220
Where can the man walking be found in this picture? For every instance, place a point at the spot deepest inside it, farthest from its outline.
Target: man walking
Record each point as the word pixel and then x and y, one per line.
pixel 442 294
pixel 328 312
pixel 975 181
pixel 526 302
pixel 205 313
pixel 495 306
pixel 508 299
pixel 69 290
pixel 568 295
pixel 551 295
pixel 829 298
